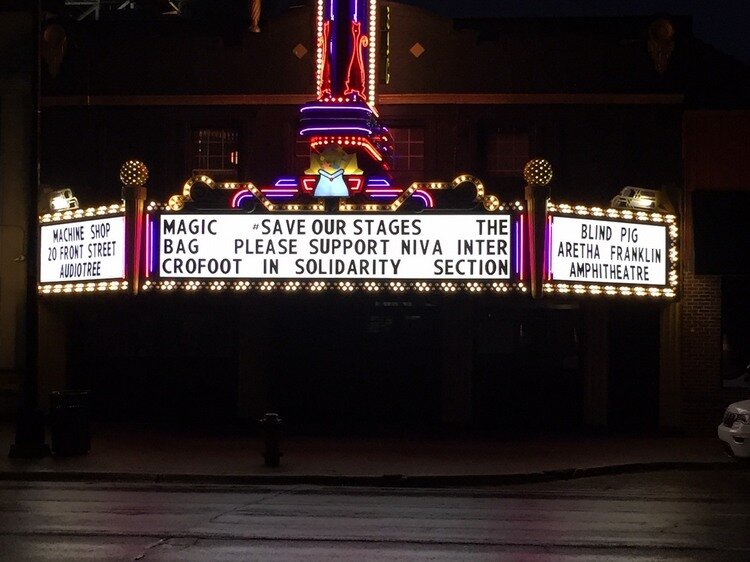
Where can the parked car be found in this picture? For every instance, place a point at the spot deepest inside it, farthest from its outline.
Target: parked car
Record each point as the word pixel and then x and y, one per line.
pixel 734 430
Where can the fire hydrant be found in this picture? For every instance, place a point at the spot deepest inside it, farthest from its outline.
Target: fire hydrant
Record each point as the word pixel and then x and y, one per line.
pixel 271 426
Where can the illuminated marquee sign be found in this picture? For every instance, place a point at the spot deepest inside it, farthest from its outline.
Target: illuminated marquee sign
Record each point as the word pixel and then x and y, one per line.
pixel 82 250
pixel 343 221
pixel 610 251
pixel 357 246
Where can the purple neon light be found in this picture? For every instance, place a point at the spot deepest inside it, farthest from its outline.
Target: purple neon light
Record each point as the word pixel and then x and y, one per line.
pixel 548 249
pixel 384 195
pixel 523 248
pixel 356 9
pixel 331 106
pixel 378 182
pixel 286 182
pixel 152 265
pixel 238 200
pixel 426 197
pixel 333 129
pixel 273 195
pixel 148 245
pixel 518 247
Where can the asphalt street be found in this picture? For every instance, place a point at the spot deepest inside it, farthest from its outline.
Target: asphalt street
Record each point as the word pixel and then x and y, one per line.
pixel 689 515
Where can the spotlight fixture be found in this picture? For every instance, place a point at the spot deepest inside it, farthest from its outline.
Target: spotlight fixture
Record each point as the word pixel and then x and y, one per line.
pixel 636 198
pixel 62 200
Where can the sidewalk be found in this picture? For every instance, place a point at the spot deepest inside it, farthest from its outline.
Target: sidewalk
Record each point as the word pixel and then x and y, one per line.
pixel 138 454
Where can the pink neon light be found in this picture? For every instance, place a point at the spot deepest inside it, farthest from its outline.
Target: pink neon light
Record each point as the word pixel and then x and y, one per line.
pixel 279 190
pixel 523 255
pixel 426 197
pixel 518 247
pixel 239 198
pixel 384 190
pixel 152 265
pixel 345 107
pixel 548 250
pixel 148 245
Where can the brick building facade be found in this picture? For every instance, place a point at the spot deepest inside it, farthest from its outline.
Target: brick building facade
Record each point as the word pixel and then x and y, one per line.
pixel 469 95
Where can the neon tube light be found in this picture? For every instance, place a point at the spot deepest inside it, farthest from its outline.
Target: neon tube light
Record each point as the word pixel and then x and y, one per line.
pixel 378 182
pixel 426 197
pixel 148 245
pixel 384 190
pixel 548 249
pixel 332 129
pixel 152 265
pixel 239 198
pixel 286 182
pixel 523 247
pixel 332 106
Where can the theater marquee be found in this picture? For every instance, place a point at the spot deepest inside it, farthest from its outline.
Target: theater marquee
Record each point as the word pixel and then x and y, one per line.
pixel 610 251
pixel 363 247
pixel 385 238
pixel 83 250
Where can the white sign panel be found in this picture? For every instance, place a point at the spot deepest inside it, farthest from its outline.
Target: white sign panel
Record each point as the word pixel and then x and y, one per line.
pixel 608 252
pixel 86 250
pixel 359 246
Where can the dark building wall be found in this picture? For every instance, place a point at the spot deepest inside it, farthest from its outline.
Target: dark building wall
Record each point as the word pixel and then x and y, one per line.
pixel 17 91
pixel 569 55
pixel 595 151
pixel 717 164
pixel 703 398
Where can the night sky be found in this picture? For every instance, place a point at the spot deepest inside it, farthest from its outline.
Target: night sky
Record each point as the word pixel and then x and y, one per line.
pixel 721 23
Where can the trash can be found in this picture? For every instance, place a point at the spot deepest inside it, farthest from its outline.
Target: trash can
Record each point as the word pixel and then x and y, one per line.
pixel 70 425
pixel 271 429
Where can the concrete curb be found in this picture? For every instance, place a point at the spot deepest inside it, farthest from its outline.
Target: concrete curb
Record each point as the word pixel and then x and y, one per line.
pixel 385 480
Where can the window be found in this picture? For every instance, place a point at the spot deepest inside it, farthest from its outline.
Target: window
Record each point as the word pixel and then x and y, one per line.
pixel 507 153
pixel 301 155
pixel 408 162
pixel 215 153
